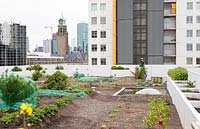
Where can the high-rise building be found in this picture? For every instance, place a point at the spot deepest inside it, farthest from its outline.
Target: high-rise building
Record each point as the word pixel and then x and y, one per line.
pixel 62 38
pixel 159 31
pixel 27 45
pixel 53 44
pixel 12 44
pixel 73 44
pixel 47 45
pixel 82 36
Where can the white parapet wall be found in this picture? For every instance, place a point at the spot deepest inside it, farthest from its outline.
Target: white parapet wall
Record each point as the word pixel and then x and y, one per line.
pixel 194 75
pixel 88 70
pixel 190 118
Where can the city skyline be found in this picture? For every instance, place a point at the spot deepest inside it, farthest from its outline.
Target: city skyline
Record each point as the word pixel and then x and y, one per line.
pixel 47 12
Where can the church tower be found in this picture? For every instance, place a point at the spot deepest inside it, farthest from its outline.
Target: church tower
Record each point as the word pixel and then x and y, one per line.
pixel 62 38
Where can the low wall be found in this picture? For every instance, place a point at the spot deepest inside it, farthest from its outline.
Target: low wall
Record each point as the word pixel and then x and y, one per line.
pixel 194 75
pixel 189 117
pixel 152 70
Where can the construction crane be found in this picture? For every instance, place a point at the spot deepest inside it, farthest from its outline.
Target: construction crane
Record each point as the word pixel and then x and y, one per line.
pixel 50 27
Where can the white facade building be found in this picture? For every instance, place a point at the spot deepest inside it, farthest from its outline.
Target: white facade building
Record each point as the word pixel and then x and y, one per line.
pixel 100 32
pixel 47 45
pixel 188 32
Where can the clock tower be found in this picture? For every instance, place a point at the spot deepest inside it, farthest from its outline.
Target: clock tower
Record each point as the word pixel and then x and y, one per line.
pixel 62 38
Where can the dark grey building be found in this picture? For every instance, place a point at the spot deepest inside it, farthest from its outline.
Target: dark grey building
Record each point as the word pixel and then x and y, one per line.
pixel 140 26
pixel 12 44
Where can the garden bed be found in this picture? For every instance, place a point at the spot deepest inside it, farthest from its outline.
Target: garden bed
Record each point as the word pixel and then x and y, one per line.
pixel 132 90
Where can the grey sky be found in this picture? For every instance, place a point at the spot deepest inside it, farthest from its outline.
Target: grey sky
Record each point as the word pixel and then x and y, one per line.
pixel 36 14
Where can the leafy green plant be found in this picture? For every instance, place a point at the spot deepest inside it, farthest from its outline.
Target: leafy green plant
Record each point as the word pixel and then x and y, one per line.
pixel 119 68
pixel 36 75
pixel 15 88
pixel 16 69
pixel 140 73
pixel 36 67
pixel 47 110
pixel 187 90
pixel 77 89
pixel 38 71
pixel 157 115
pixel 57 81
pixel 8 117
pixel 178 73
pixel 191 84
pixel 59 67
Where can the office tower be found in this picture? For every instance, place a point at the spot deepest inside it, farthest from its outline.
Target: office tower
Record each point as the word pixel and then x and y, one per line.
pixel 82 36
pixel 27 45
pixel 47 45
pixel 53 44
pixel 12 44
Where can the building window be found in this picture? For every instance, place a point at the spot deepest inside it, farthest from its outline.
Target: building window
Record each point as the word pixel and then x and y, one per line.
pixel 103 34
pixel 189 19
pixel 103 61
pixel 103 6
pixel 198 46
pixel 93 20
pixel 197 60
pixel 198 19
pixel 189 33
pixel 189 60
pixel 94 7
pixel 94 34
pixel 94 47
pixel 103 47
pixel 94 61
pixel 189 5
pixel 103 20
pixel 189 47
pixel 198 33
pixel 198 5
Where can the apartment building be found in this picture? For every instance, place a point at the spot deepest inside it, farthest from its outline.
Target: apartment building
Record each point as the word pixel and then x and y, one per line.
pixel 159 31
pixel 12 44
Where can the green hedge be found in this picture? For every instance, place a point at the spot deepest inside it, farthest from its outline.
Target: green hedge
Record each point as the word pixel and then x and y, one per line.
pixel 178 73
pixel 119 68
pixel 16 69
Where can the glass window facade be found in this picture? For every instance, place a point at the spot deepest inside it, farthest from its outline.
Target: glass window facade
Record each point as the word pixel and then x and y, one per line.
pixel 13 53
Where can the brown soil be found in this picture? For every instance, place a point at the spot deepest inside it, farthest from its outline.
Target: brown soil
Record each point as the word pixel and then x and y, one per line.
pixel 192 98
pixel 94 110
pixel 198 110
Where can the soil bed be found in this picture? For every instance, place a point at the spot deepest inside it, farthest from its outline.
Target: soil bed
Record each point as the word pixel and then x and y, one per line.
pixel 192 98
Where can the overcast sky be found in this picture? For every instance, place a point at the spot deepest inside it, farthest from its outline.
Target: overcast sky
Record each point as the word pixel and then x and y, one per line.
pixel 36 14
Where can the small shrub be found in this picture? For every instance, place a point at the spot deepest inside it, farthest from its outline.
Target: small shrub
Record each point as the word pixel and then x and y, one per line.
pixel 36 75
pixel 15 89
pixel 119 68
pixel 57 81
pixel 16 69
pixel 191 84
pixel 36 67
pixel 38 71
pixel 59 67
pixel 178 73
pixel 140 73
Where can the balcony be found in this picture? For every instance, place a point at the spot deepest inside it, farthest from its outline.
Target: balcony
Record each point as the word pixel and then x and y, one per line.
pixel 169 1
pixel 169 13
pixel 169 26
